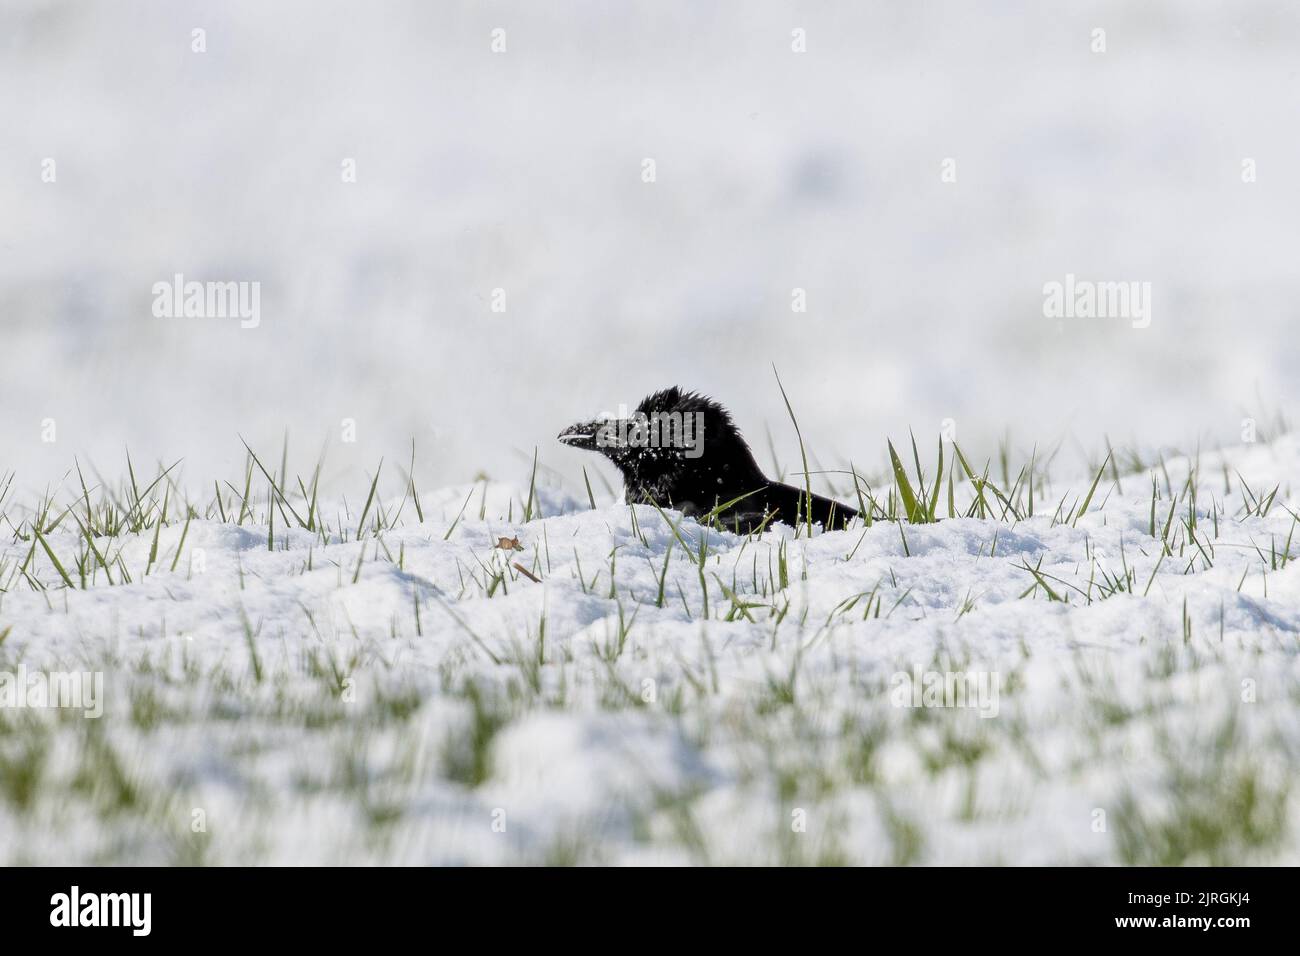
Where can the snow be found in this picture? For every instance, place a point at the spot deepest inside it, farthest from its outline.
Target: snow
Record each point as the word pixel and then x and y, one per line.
pixel 469 738
pixel 522 171
pixel 333 701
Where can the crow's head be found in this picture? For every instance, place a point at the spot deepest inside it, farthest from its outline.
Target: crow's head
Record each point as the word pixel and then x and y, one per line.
pixel 668 446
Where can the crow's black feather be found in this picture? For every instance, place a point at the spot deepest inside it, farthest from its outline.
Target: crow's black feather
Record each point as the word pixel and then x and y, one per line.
pixel 681 450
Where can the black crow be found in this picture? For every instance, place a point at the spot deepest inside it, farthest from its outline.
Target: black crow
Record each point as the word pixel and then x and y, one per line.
pixel 681 450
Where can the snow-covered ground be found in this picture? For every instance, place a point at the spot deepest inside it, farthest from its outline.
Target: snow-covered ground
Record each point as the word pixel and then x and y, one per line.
pixel 394 688
pixel 662 692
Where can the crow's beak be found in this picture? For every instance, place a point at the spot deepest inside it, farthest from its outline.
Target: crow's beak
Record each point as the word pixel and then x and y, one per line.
pixel 582 435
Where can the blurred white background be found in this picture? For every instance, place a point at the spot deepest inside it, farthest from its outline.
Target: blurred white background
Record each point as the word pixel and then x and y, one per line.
pixel 522 171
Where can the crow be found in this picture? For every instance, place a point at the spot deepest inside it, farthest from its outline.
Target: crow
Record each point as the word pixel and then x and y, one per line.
pixel 681 450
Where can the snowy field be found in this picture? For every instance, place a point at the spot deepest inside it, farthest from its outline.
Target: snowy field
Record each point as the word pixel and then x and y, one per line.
pixel 375 681
pixel 457 253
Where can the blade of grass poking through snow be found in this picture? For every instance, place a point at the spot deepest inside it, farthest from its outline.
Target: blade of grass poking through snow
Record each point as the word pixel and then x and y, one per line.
pixel 451 613
pixel 284 459
pixel 447 536
pixel 250 638
pixel 587 481
pixel 310 498
pixel 1153 506
pixel 53 560
pixel 857 490
pixel 157 530
pixel 921 495
pixel 970 476
pixel 246 499
pixel 1040 581
pixel 938 483
pixel 85 493
pixel 1033 457
pixel 708 519
pixel 135 491
pixel 370 498
pixel 686 546
pixel 278 493
pixel 410 476
pixel 904 486
pixel 1087 500
pixel 663 576
pixel 90 540
pixel 807 476
pixel 532 490
pixel 952 498
pixel 181 544
pixel 1147 590
pixel 135 516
